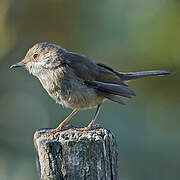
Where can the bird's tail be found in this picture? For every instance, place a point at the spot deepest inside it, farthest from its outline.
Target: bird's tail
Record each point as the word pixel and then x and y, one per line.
pixel 135 75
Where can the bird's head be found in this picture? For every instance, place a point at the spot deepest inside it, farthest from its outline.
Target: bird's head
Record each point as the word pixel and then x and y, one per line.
pixel 42 57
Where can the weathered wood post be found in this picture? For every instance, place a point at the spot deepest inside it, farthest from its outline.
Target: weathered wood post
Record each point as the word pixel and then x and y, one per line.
pixel 74 155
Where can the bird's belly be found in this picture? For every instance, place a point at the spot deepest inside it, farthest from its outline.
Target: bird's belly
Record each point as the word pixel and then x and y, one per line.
pixel 73 94
pixel 81 100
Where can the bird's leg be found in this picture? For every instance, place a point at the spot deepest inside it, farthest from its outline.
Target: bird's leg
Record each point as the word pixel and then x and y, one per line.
pixel 95 117
pixel 61 125
pixel 90 126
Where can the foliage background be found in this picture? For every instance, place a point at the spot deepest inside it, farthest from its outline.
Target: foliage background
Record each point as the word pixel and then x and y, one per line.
pixel 128 35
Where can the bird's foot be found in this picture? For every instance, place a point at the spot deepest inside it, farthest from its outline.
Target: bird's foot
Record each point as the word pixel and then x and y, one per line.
pixel 61 128
pixel 92 127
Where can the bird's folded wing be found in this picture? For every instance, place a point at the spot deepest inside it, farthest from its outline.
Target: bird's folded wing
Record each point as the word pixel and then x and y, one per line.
pixel 82 67
pixel 100 77
pixel 115 89
pixel 86 69
pixel 111 97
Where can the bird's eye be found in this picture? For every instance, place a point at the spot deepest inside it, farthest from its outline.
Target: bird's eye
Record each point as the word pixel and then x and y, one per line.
pixel 35 56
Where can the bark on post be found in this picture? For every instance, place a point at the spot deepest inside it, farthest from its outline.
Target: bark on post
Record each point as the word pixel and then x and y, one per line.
pixel 71 155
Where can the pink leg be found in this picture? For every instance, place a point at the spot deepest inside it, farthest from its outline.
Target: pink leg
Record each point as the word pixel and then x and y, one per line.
pixel 90 126
pixel 61 125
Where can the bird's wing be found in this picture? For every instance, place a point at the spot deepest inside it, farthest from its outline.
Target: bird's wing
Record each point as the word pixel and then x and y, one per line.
pixel 112 77
pixel 82 67
pixel 100 77
pixel 86 69
pixel 110 88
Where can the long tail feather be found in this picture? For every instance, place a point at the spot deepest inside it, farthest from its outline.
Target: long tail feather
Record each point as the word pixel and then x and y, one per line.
pixel 135 75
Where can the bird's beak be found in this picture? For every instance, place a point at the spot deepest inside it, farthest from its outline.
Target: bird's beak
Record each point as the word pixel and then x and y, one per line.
pixel 19 64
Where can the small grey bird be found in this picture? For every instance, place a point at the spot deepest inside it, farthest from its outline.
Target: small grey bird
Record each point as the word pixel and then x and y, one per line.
pixel 77 82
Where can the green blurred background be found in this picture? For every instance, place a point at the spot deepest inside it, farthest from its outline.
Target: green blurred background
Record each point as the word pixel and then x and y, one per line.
pixel 128 35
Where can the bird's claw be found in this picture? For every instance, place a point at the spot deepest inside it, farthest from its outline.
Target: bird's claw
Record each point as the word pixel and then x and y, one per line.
pixel 63 128
pixel 87 128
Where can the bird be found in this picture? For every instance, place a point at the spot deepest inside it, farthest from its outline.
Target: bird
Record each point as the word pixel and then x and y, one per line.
pixel 77 82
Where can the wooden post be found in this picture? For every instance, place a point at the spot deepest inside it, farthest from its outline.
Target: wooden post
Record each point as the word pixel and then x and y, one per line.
pixel 74 155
